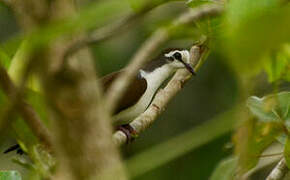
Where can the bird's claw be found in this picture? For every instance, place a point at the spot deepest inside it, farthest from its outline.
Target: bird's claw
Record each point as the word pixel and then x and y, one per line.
pixel 129 131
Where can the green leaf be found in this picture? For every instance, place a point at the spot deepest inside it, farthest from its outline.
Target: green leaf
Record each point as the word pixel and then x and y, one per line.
pixel 5 60
pixel 10 175
pixel 253 29
pixel 21 129
pixel 287 152
pixel 226 169
pixel 251 139
pixel 278 65
pixel 93 16
pixel 271 108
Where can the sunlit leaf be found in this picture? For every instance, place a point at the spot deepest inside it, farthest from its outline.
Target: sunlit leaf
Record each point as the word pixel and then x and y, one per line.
pixel 253 28
pixel 278 65
pixel 251 139
pixel 271 108
pixel 226 169
pixel 10 175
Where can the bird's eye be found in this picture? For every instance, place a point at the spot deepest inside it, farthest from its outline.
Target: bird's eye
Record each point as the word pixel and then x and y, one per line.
pixel 177 56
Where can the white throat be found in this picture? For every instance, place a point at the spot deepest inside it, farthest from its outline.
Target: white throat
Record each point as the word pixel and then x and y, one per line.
pixel 154 80
pixel 157 76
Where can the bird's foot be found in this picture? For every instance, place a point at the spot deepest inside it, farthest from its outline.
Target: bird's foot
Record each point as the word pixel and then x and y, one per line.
pixel 129 131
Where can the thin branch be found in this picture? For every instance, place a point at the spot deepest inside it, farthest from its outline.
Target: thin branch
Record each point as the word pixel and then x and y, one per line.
pixel 104 33
pixel 25 110
pixel 109 31
pixel 151 45
pixel 279 172
pixel 163 97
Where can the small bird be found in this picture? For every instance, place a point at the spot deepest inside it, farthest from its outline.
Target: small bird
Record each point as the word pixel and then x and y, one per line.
pixel 142 89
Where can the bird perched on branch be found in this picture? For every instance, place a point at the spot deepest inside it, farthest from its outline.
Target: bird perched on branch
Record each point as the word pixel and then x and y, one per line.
pixel 144 85
pixel 141 90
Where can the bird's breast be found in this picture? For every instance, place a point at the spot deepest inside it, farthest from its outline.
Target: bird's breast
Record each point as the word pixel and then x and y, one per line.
pixel 127 115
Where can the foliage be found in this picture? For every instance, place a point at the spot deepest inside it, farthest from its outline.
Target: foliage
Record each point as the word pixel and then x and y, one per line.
pixel 225 170
pixel 253 29
pixel 250 37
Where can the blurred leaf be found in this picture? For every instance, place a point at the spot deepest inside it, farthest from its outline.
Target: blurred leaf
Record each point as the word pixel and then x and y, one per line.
pixel 287 152
pixel 271 108
pixel 210 27
pixel 19 62
pixel 282 138
pixel 253 28
pixel 194 3
pixel 93 16
pixel 22 130
pixel 278 66
pixel 5 60
pixel 251 139
pixel 226 169
pixel 10 175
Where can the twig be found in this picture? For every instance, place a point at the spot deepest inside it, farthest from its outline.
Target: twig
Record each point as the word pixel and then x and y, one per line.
pixel 279 172
pixel 149 47
pixel 25 110
pixel 103 33
pixel 163 97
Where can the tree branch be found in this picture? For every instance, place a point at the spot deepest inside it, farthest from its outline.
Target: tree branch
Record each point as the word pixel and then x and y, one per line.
pixel 26 111
pixel 149 47
pixel 279 172
pixel 103 33
pixel 163 97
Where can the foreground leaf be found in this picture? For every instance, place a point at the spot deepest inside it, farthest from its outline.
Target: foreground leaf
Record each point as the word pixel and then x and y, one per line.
pixel 271 108
pixel 278 65
pixel 251 139
pixel 253 29
pixel 226 169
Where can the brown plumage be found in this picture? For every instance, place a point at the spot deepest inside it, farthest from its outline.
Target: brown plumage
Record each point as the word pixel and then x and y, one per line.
pixel 131 95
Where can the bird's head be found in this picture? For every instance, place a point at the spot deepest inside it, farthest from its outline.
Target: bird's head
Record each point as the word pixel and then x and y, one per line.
pixel 179 59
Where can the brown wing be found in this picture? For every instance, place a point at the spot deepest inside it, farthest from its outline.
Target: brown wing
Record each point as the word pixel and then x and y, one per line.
pixel 133 93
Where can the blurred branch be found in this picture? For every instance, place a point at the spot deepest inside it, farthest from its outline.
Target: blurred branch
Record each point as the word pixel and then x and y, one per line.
pixel 279 172
pixel 104 33
pixel 76 113
pixel 111 30
pixel 151 45
pixel 26 111
pixel 163 97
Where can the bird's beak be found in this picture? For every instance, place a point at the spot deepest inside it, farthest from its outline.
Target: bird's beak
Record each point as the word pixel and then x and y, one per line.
pixel 189 68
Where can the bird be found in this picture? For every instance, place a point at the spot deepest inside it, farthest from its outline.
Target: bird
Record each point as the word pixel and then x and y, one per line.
pixel 141 89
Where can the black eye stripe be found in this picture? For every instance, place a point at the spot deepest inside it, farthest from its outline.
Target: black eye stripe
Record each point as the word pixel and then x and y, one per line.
pixel 177 56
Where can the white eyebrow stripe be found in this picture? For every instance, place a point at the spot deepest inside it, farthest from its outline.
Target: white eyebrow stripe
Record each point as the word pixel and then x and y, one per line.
pixel 171 53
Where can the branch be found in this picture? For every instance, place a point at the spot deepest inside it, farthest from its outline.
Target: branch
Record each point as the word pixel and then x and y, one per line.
pixel 279 171
pixel 26 111
pixel 163 97
pixel 149 47
pixel 104 33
